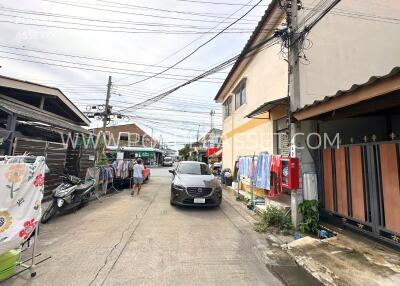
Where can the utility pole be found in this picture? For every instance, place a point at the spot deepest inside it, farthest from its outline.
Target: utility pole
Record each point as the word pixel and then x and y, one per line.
pixel 294 71
pixel 212 113
pixel 151 137
pixel 107 108
pixel 294 90
pixel 198 130
pixel 294 95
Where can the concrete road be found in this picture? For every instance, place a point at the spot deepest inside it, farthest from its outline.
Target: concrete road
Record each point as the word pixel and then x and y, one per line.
pixel 142 240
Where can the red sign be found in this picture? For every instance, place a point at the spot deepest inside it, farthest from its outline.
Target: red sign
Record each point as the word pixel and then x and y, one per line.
pixel 211 151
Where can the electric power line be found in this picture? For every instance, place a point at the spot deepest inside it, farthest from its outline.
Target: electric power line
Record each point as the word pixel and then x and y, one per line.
pixel 245 53
pixel 131 13
pixel 199 47
pixel 214 3
pixel 94 58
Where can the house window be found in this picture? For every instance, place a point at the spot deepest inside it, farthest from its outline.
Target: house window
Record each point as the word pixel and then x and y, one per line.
pixel 123 136
pixel 240 94
pixel 228 107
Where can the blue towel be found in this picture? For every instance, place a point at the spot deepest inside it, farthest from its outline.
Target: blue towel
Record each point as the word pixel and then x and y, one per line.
pixel 262 174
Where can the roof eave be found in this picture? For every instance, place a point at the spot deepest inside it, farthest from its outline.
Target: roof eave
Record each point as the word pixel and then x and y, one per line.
pixel 264 20
pixel 44 89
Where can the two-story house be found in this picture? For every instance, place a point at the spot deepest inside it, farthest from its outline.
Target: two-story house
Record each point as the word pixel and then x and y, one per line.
pixel 350 44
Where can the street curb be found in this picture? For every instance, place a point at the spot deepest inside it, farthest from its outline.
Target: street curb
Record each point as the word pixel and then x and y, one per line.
pixel 299 261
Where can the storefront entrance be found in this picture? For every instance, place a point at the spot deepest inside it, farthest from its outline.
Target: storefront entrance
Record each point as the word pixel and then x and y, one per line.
pixel 360 187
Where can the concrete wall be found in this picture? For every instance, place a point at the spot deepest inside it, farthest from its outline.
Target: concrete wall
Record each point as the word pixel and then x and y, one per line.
pixel 348 50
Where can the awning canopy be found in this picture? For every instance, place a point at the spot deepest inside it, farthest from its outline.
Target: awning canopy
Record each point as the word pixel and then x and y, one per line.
pixel 268 106
pixel 35 114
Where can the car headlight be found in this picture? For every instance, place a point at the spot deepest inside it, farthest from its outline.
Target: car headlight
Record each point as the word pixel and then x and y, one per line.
pixel 178 187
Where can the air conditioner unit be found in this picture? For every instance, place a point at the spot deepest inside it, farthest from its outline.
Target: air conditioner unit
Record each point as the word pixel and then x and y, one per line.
pixel 310 186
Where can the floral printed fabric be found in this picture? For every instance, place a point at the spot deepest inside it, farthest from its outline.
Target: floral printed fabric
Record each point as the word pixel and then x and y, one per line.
pixel 21 193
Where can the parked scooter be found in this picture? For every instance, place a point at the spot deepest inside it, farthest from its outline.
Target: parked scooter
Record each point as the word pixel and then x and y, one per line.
pixel 72 194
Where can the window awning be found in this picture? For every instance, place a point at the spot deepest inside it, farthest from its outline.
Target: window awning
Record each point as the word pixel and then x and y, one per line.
pixel 268 106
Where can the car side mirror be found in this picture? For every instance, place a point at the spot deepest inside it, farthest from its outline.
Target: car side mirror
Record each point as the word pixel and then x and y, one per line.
pixel 171 171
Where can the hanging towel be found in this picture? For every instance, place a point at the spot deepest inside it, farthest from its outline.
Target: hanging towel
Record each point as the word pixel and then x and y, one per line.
pixel 275 168
pixel 241 167
pixel 251 167
pixel 21 193
pixel 262 173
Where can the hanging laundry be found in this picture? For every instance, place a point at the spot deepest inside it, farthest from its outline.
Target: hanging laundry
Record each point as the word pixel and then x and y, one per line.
pixel 236 170
pixel 276 188
pixel 21 193
pixel 246 167
pixel 242 172
pixel 251 167
pixel 262 172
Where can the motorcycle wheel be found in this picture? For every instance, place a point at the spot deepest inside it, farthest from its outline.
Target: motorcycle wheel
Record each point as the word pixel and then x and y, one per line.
pixel 48 213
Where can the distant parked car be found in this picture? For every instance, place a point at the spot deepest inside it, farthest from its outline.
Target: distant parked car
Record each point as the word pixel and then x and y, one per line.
pixel 193 184
pixel 216 168
pixel 168 162
pixel 146 174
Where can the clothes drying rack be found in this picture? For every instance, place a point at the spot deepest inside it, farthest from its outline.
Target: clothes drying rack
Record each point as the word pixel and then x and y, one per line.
pixel 30 262
pixel 110 187
pixel 251 180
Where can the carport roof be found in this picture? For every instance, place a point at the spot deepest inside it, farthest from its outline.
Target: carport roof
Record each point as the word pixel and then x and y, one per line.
pixel 23 85
pixel 35 114
pixel 373 87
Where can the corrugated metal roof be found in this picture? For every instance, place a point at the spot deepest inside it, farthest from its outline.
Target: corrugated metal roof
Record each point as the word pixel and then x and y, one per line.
pixel 353 88
pixel 39 115
pixel 253 37
pixel 10 82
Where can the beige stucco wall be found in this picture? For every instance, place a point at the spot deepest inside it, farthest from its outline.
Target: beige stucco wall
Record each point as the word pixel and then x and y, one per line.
pixel 347 50
pixel 253 141
pixel 267 79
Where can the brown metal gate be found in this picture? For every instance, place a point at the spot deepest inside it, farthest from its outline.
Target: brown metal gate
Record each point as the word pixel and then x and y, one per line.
pixel 55 154
pixel 360 185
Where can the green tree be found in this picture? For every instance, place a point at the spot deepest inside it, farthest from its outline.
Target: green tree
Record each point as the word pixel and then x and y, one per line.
pixel 184 152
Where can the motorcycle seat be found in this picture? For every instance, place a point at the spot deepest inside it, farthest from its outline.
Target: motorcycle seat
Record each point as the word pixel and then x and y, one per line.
pixel 84 186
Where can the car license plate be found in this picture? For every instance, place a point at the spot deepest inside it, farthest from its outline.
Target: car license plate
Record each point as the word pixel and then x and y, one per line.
pixel 199 200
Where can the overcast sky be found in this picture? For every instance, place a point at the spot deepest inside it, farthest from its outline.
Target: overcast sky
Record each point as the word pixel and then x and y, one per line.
pixel 138 36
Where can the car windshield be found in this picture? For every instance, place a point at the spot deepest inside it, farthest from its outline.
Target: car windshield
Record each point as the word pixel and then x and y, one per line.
pixel 193 169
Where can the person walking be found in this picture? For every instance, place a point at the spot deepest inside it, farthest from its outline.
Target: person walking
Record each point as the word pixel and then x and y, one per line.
pixel 137 176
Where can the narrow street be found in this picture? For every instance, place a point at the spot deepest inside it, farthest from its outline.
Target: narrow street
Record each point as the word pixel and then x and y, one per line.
pixel 142 240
